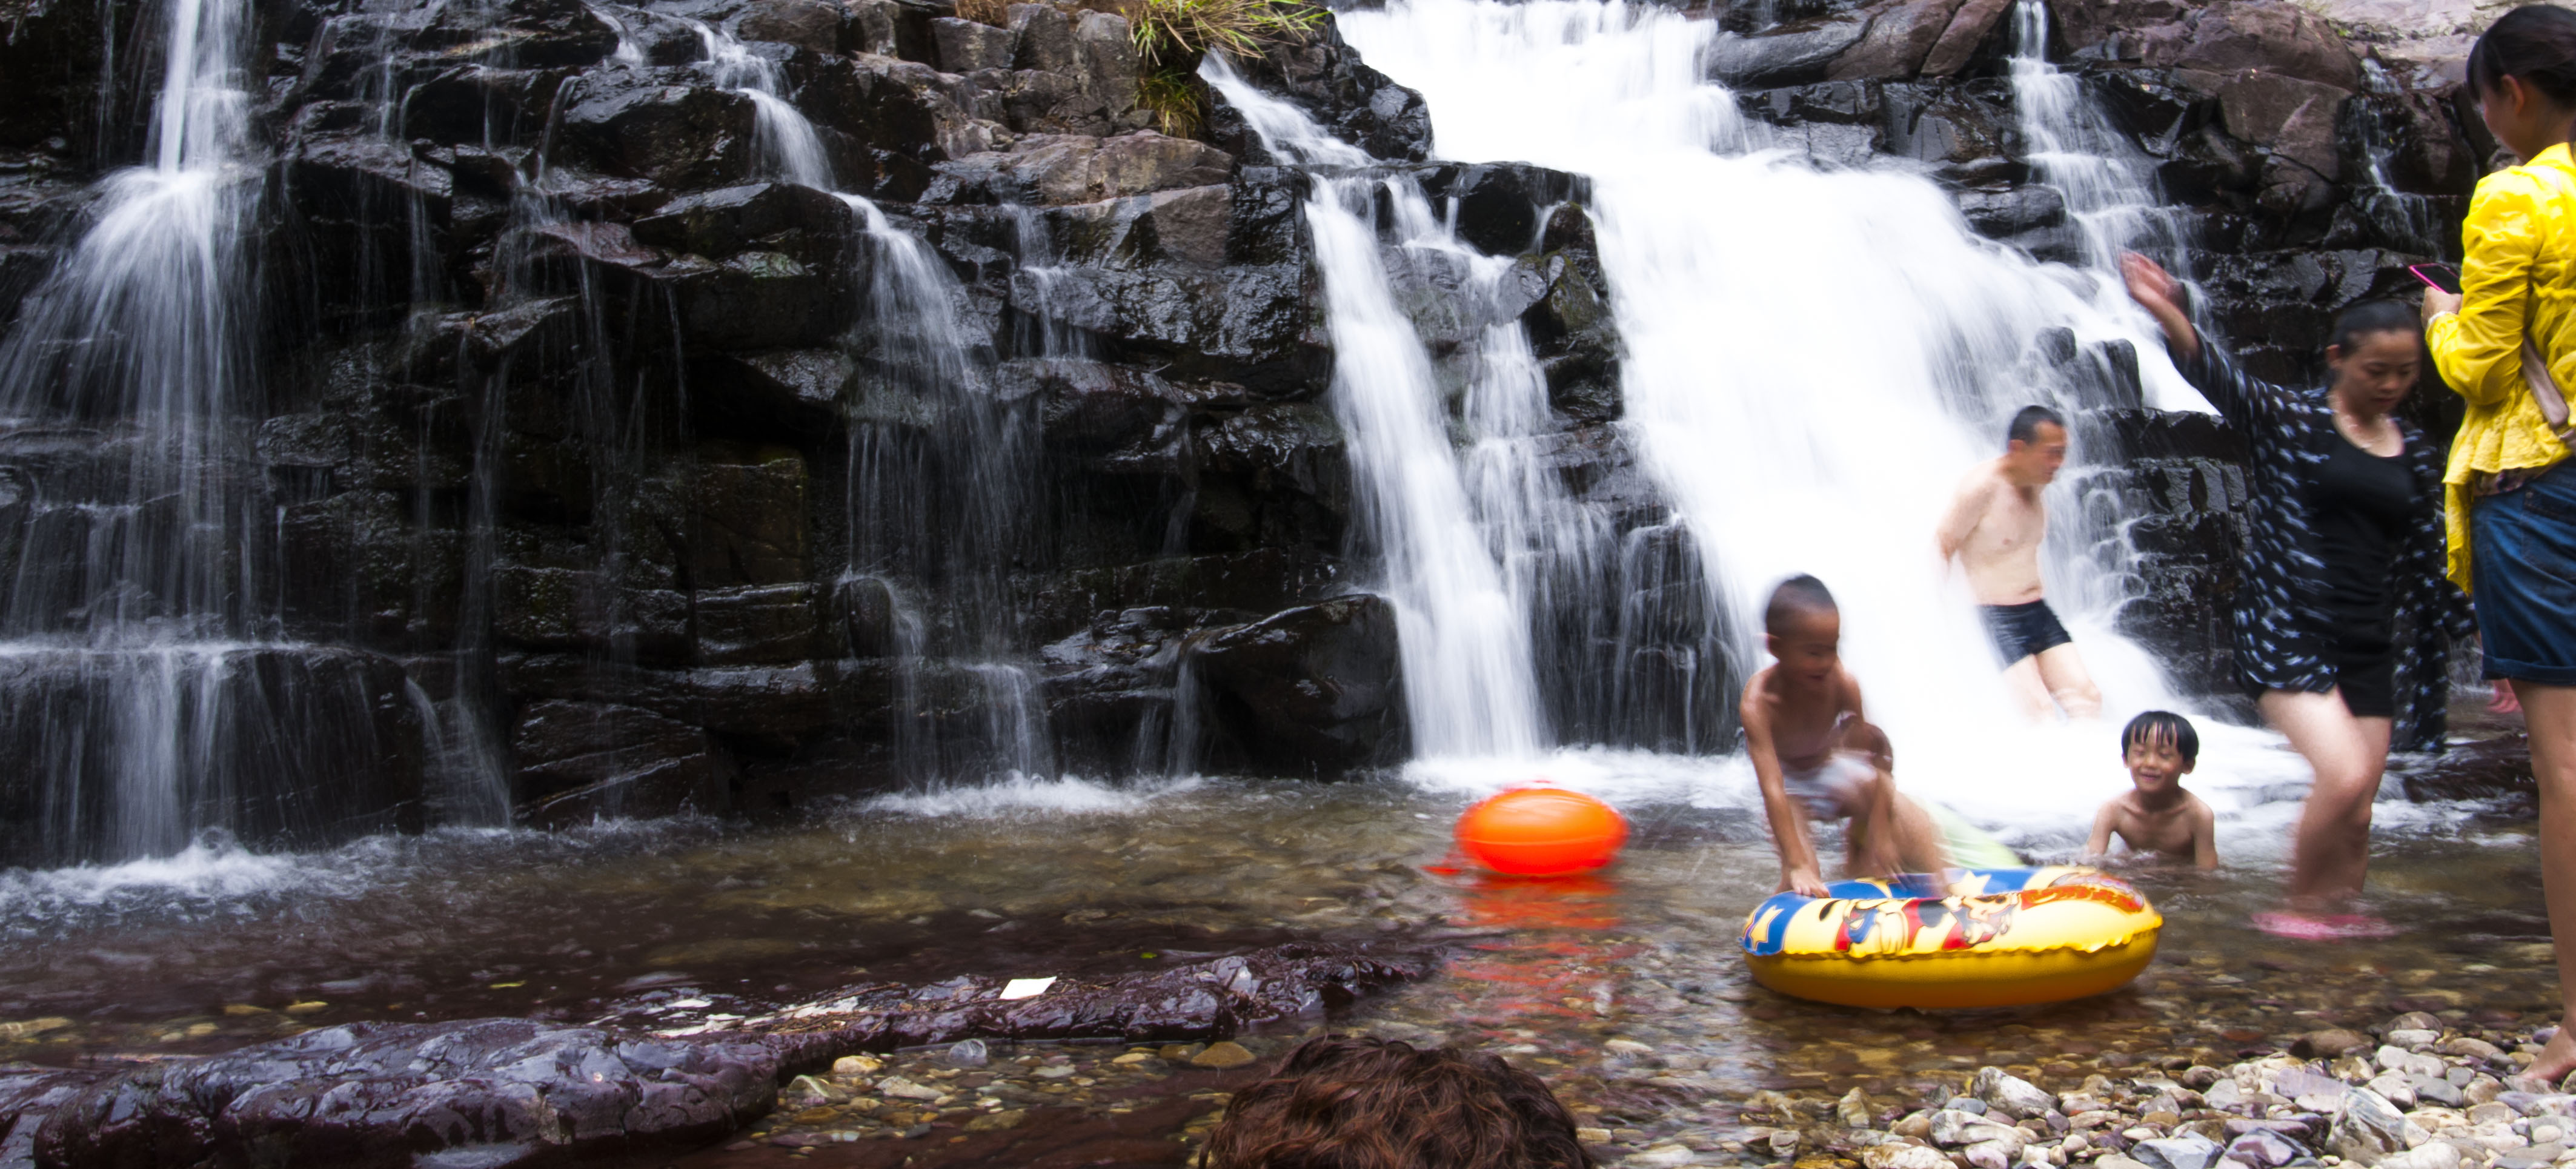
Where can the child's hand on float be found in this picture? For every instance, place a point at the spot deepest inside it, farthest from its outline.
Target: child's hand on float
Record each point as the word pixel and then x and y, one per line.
pixel 1805 882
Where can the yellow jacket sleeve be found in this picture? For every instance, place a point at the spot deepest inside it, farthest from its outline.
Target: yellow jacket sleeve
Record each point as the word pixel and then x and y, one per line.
pixel 2479 350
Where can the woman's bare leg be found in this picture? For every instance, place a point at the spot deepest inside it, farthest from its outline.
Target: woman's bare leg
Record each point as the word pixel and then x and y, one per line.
pixel 2332 853
pixel 2549 713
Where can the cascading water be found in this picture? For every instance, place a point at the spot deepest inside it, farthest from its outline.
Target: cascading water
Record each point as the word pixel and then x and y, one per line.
pixel 139 656
pixel 787 146
pixel 2108 186
pixel 1469 683
pixel 928 414
pixel 1812 360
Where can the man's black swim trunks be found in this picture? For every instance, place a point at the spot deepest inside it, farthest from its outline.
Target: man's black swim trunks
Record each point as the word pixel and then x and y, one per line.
pixel 2023 630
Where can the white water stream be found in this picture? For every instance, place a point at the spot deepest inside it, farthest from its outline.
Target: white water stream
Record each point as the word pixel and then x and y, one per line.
pixel 1813 359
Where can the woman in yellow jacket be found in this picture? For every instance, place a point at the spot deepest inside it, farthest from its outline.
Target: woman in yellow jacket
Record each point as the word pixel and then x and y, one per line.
pixel 2510 490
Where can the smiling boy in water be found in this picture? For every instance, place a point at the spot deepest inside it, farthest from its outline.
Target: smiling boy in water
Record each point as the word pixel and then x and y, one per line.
pixel 2158 817
pixel 1815 756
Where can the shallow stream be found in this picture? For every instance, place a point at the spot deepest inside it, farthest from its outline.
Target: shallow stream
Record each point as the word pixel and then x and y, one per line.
pixel 219 947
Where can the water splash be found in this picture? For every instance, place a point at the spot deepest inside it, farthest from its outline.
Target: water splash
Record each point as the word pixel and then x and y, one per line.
pixel 1812 359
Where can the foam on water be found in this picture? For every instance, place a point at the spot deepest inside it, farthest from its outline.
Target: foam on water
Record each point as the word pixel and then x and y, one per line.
pixel 1023 795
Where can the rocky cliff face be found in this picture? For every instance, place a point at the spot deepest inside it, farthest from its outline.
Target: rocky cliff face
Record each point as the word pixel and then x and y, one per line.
pixel 636 478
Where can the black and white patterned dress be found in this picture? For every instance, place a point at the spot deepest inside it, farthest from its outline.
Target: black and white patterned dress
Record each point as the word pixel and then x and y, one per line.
pixel 2282 629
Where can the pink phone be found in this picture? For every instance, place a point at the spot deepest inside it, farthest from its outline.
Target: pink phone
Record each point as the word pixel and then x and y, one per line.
pixel 2442 276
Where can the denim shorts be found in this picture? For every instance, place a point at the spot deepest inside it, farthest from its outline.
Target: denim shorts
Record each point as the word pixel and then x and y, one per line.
pixel 2522 575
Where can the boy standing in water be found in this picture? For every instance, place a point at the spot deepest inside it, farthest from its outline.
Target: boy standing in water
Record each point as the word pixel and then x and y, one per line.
pixel 1814 756
pixel 1994 531
pixel 2158 816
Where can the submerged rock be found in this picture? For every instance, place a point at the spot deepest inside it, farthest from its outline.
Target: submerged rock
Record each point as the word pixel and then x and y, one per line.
pixel 516 1092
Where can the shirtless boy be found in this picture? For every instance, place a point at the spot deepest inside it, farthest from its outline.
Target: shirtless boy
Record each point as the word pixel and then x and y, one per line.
pixel 1994 530
pixel 2158 818
pixel 1814 756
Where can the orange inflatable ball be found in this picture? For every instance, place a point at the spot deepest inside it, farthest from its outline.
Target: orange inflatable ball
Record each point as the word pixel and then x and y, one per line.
pixel 1542 832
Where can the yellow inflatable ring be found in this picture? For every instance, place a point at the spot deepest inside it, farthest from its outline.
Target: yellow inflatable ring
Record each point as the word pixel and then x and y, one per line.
pixel 2010 936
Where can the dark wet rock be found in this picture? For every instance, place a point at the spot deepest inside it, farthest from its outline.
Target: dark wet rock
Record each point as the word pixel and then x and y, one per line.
pixel 1209 1000
pixel 1791 54
pixel 1501 206
pixel 1314 690
pixel 504 1092
pixel 28 1096
pixel 965 46
pixel 659 126
pixel 1899 37
pixel 2489 769
pixel 783 216
pixel 1072 168
pixel 1325 77
pixel 815 26
pixel 581 760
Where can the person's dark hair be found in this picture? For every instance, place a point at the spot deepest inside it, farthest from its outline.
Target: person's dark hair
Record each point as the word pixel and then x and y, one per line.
pixel 1378 1104
pixel 2025 425
pixel 2537 43
pixel 2362 318
pixel 2157 727
pixel 1800 594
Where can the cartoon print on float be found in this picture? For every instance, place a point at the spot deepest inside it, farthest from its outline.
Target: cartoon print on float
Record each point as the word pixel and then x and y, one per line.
pixel 2006 936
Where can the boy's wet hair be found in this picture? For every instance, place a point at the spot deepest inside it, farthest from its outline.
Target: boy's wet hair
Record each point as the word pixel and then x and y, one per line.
pixel 1795 597
pixel 2025 425
pixel 1379 1104
pixel 2158 727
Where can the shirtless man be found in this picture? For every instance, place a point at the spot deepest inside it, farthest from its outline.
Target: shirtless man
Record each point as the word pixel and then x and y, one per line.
pixel 1814 756
pixel 1994 530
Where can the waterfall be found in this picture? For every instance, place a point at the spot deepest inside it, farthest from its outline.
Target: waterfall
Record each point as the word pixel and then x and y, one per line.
pixel 785 144
pixel 1470 688
pixel 1813 359
pixel 939 475
pixel 138 604
pixel 2108 185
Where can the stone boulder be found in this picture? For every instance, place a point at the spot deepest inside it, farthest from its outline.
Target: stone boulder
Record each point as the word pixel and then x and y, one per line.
pixel 659 126
pixel 1313 690
pixel 2266 35
pixel 1059 169
pixel 495 1093
pixel 1325 77
pixel 1790 54
pixel 1910 38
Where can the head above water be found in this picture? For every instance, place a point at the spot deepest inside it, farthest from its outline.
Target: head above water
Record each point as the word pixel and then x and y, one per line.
pixel 2034 446
pixel 1804 627
pixel 1379 1104
pixel 2523 73
pixel 2165 730
pixel 2375 355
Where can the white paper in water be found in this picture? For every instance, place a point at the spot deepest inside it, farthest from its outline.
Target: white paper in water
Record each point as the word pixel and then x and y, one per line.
pixel 1026 988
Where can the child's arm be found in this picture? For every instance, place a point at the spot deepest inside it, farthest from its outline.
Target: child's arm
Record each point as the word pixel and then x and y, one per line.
pixel 2204 835
pixel 1798 872
pixel 2103 822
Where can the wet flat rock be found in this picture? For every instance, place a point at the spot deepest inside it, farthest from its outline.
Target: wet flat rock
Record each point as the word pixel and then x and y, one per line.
pixel 497 1093
pixel 490 1093
pixel 1200 1001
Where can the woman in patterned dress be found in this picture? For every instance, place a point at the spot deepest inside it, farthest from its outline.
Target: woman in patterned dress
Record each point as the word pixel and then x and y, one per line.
pixel 2342 564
